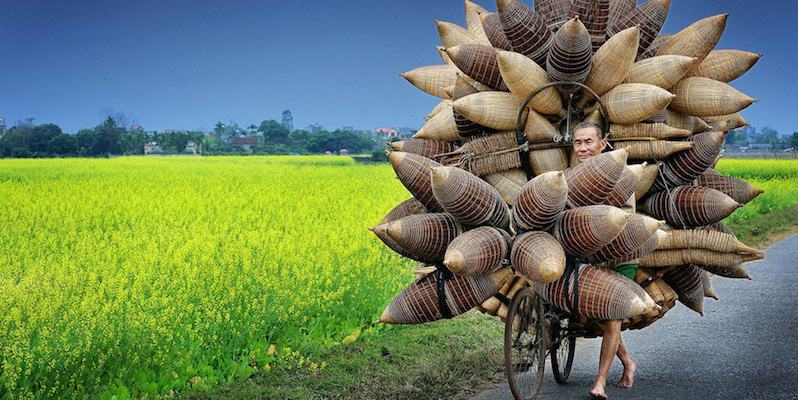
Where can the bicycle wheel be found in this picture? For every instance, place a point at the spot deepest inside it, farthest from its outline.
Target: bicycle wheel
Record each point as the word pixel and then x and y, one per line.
pixel 525 345
pixel 562 355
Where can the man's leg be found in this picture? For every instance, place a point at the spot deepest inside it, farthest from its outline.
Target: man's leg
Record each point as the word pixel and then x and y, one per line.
pixel 629 366
pixel 609 347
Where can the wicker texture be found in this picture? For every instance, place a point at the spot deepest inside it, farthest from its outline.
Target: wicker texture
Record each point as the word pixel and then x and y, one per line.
pixel 689 206
pixel 487 154
pixel 654 131
pixel 697 40
pixel 663 71
pixel 554 12
pixel 498 304
pixel 704 97
pixel 543 158
pixel 683 167
pixel 654 47
pixel 736 188
pixel 612 62
pixel 648 246
pixel 410 206
pixel 538 257
pixel 725 65
pixel 737 271
pixel 595 15
pixel 523 77
pixel 652 149
pixel 646 174
pixel 637 231
pixel 493 29
pixel 413 171
pixel 662 294
pixel 728 122
pixel 687 281
pixel 683 121
pixel 570 54
pixel 618 8
pixel 382 233
pixel 444 57
pixel 704 239
pixel 540 201
pixel 455 35
pixel 496 110
pixel 441 127
pixel 474 23
pixel 478 251
pixel 525 30
pixel 425 236
pixel 469 199
pixel 432 79
pixel 444 104
pixel 630 103
pixel 650 16
pixel 603 294
pixel 507 183
pixel 664 258
pixel 592 181
pixel 418 303
pixel 465 127
pixel 584 230
pixel 423 147
pixel 478 62
pixel 623 189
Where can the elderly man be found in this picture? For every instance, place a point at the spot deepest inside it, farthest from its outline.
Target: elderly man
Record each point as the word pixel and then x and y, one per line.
pixel 589 141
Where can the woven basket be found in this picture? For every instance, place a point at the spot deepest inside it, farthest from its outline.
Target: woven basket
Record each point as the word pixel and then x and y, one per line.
pixel 725 65
pixel 413 171
pixel 523 77
pixel 474 23
pixel 540 202
pixel 542 157
pixel 478 251
pixel 704 97
pixel 738 189
pixel 444 57
pixel 619 8
pixel 382 233
pixel 653 131
pixel 423 147
pixel 738 271
pixel 603 294
pixel 445 104
pixel 623 190
pixel 650 16
pixel 418 303
pixel 455 35
pixel 478 62
pixel 425 236
pixel 465 127
pixel 493 29
pixel 594 14
pixel 592 181
pixel 584 230
pixel 611 62
pixel 718 227
pixel 697 40
pixel 652 149
pixel 648 246
pixel 538 257
pixel 629 103
pixel 662 294
pixel 683 167
pixel 704 239
pixel 525 30
pixel 507 183
pixel 441 127
pixel 646 174
pixel 434 79
pixel 570 54
pixel 554 12
pixel 469 199
pixel 662 71
pixel 637 231
pixel 410 206
pixel 683 121
pixel 654 47
pixel 689 206
pixel 486 154
pixel 687 281
pixel 728 122
pixel 496 110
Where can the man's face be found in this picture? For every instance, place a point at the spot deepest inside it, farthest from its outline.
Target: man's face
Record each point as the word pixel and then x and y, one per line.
pixel 587 143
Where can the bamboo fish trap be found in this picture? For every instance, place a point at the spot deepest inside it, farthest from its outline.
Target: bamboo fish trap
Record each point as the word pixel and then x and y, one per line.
pixel 652 149
pixel 470 200
pixel 486 155
pixel 478 62
pixel 423 147
pixel 664 258
pixel 541 135
pixel 540 202
pixel 623 190
pixel 725 65
pixel 499 303
pixel 640 130
pixel 648 246
pixel 525 30
pixel 654 47
pixel 630 103
pixel 554 12
pixel 420 302
pixel 474 23
pixel 425 236
pixel 704 239
pixel 523 77
pixel 507 183
pixel 738 189
pixel 592 181
pixel 704 97
pixel 496 110
pixel 413 171
pixel 611 62
pixel 697 40
pixel 465 127
pixel 662 71
pixel 454 35
pixel 689 206
pixel 441 127
pixel 410 206
pixel 478 251
pixel 570 54
pixel 687 122
pixel 382 233
pixel 687 281
pixel 646 174
pixel 636 232
pixel 584 230
pixel 650 16
pixel 683 167
pixel 538 257
pixel 493 29
pixel 619 8
pixel 594 14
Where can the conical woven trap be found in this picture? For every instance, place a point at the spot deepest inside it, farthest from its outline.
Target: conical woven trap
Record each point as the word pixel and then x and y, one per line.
pixel 637 231
pixel 465 127
pixel 538 257
pixel 410 206
pixel 478 62
pixel 704 239
pixel 704 97
pixel 423 147
pixel 622 190
pixel 478 251
pixel 486 154
pixel 540 201
pixel 725 65
pixel 689 206
pixel 738 189
pixel 425 236
pixel 507 183
pixel 662 71
pixel 413 171
pixel 469 199
pixel 687 281
pixel 494 31
pixel 664 258
pixel 594 14
pixel 592 181
pixel 640 130
pixel 611 63
pixel 697 40
pixel 584 230
pixel 554 12
pixel 650 16
pixel 523 76
pixel 652 149
pixel 683 167
pixel 525 30
pixel 570 54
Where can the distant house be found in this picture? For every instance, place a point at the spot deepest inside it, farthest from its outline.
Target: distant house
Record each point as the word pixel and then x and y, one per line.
pixel 247 143
pixel 343 152
pixel 387 134
pixel 760 147
pixel 151 147
pixel 136 128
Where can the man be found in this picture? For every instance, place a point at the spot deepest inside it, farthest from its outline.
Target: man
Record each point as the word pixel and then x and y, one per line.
pixel 589 141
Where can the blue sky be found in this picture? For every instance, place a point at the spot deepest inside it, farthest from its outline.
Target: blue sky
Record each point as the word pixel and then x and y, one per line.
pixel 188 64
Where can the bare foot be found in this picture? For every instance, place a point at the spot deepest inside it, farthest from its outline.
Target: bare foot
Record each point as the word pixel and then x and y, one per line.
pixel 628 378
pixel 598 392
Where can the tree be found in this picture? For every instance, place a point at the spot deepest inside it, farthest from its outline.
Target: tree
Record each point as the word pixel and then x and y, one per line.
pixel 86 139
pixel 769 135
pixel 288 120
pixel 107 139
pixel 273 131
pixel 64 145
pixel 40 137
pixel 793 140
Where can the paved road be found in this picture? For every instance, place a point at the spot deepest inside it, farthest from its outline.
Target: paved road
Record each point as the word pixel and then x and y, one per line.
pixel 745 346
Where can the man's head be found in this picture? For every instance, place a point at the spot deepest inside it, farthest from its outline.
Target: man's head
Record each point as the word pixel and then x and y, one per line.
pixel 588 140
